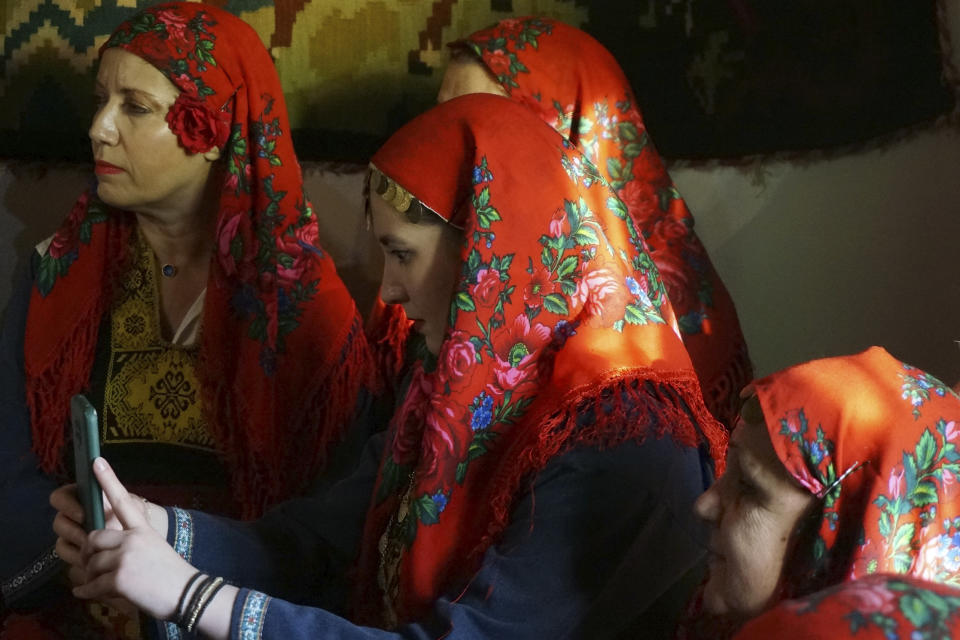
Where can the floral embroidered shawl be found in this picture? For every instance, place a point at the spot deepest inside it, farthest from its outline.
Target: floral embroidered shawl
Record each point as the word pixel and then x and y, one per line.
pixel 282 351
pixel 558 313
pixel 878 440
pixel 876 607
pixel 573 83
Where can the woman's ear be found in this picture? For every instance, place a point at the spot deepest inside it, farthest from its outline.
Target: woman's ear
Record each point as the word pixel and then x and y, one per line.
pixel 212 154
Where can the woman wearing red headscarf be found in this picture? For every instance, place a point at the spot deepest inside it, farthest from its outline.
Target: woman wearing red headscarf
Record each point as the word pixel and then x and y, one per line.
pixel 548 449
pixel 840 468
pixel 573 83
pixel 875 607
pixel 186 295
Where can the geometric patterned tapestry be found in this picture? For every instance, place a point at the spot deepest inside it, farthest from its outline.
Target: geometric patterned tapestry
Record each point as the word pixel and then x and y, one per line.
pixel 714 78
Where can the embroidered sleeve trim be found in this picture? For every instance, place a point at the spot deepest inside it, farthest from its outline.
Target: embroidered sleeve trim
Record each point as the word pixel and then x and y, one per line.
pixel 35 574
pixel 172 631
pixel 183 533
pixel 252 615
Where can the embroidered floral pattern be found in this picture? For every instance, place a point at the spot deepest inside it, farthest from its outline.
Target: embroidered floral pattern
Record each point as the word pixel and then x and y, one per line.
pixel 252 616
pixel 500 51
pixel 891 501
pixel 917 387
pixel 549 321
pixel 183 532
pixel 915 487
pixel 38 570
pixel 570 277
pixel 65 246
pixel 191 39
pixel 571 82
pixel 900 609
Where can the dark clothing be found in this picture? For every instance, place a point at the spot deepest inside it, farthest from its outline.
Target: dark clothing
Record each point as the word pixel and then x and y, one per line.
pixel 604 544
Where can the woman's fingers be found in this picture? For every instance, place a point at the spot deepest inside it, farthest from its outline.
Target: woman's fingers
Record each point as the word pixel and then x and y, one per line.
pixel 129 510
pixel 70 553
pixel 100 540
pixel 103 562
pixel 135 564
pixel 77 576
pixel 64 500
pixel 69 531
pixel 102 587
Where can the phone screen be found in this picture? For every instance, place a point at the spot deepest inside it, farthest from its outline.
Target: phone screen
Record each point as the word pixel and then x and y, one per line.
pixel 86 449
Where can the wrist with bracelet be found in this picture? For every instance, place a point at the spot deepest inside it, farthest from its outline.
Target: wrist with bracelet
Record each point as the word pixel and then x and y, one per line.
pixel 191 607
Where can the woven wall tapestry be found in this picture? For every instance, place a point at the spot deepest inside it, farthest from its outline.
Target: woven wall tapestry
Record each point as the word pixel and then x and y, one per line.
pixel 715 78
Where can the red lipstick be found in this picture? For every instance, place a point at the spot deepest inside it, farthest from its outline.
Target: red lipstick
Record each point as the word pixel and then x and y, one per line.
pixel 103 168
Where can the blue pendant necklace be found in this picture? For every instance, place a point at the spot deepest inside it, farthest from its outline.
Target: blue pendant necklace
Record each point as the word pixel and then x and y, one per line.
pixel 168 270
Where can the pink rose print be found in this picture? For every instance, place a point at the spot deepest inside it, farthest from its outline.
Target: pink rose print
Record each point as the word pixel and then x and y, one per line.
pixel 670 229
pixel 446 439
pixel 951 432
pixel 938 556
pixel 676 277
pixel 510 27
pixel 309 235
pixel 236 224
pixel 557 222
pixel 458 361
pixel 895 484
pixel 487 289
pixel 870 598
pixel 287 274
pixel 67 236
pixel 176 25
pixel 603 296
pixel 412 412
pixel 498 62
pixel 640 201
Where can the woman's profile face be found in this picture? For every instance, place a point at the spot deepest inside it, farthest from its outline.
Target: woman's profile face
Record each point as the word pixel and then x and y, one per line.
pixel 140 164
pixel 754 508
pixel 465 75
pixel 420 269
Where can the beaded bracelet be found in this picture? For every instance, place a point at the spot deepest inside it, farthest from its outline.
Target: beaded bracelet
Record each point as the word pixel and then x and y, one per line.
pixel 205 593
pixel 183 616
pixel 214 590
pixel 177 613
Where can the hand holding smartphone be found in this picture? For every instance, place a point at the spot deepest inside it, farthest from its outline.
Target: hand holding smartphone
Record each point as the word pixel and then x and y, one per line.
pixel 86 449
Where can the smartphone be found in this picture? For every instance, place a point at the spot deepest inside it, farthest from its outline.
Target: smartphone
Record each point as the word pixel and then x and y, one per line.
pixel 86 449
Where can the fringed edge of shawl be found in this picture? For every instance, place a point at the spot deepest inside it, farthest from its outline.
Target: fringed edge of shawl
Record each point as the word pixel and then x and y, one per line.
pixel 623 403
pixel 387 330
pixel 302 444
pixel 49 390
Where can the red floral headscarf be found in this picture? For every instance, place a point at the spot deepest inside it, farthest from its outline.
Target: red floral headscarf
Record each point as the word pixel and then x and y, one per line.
pixel 877 440
pixel 558 313
pixel 877 607
pixel 573 83
pixel 282 352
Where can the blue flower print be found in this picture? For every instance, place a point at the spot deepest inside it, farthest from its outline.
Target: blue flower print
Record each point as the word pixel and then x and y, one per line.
pixel 481 174
pixel 917 388
pixel 633 286
pixel 483 413
pixel 440 499
pixel 817 452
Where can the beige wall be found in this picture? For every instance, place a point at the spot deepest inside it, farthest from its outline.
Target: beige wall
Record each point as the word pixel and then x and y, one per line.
pixel 821 258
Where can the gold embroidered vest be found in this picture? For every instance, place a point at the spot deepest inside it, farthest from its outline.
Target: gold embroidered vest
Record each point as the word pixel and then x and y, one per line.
pixel 151 393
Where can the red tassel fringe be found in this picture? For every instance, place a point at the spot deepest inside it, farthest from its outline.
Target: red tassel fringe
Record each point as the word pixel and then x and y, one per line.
pixel 624 403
